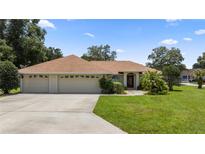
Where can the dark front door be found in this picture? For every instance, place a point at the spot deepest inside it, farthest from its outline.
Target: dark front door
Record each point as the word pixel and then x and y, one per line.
pixel 130 81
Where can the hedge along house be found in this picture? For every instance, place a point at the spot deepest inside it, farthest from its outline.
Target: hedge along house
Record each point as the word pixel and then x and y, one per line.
pixel 72 74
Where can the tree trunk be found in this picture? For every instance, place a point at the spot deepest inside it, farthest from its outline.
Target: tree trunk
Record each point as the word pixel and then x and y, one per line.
pixel 170 86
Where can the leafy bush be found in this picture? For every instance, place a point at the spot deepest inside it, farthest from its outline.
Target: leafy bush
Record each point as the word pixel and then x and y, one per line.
pixel 106 85
pixel 110 87
pixel 8 76
pixel 154 83
pixel 118 88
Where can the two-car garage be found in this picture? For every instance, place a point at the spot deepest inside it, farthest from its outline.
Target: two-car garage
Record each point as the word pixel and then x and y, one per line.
pixel 60 83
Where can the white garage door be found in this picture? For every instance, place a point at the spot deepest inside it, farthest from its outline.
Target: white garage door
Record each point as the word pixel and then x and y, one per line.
pixel 35 84
pixel 78 84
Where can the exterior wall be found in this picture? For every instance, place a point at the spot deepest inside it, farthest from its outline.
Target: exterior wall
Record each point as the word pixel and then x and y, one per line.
pixel 66 84
pixel 137 79
pixel 125 79
pixel 53 84
pixel 21 84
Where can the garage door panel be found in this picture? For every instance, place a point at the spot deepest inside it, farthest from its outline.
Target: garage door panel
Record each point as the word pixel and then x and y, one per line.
pixel 35 85
pixel 78 85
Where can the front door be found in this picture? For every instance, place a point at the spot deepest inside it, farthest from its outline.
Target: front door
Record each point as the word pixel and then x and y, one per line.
pixel 130 81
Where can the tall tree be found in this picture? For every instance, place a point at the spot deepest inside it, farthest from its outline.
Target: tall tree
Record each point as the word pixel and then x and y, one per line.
pixel 200 62
pixel 26 38
pixel 35 51
pixel 53 53
pixel 169 61
pixel 6 52
pixel 102 52
pixel 15 33
pixel 2 28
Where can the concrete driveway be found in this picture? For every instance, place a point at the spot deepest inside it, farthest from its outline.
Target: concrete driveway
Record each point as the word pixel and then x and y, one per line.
pixel 52 113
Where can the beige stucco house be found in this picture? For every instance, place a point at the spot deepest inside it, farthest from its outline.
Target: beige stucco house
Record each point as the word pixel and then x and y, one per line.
pixel 72 74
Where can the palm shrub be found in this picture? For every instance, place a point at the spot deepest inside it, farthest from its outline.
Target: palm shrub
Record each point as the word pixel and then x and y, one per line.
pixel 199 77
pixel 153 82
pixel 8 76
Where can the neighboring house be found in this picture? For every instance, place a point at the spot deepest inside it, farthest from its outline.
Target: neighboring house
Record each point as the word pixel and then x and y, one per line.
pixel 72 74
pixel 187 75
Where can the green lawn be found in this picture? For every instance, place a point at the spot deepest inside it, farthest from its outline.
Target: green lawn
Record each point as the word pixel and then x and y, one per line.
pixel 181 111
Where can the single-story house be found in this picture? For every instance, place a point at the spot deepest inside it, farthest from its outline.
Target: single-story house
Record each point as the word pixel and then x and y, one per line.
pixel 72 74
pixel 187 75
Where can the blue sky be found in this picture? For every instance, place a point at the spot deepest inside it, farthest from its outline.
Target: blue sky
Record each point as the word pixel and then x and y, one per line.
pixel 133 39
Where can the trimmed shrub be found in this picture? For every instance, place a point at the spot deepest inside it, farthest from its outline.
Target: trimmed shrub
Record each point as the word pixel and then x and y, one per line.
pixel 154 83
pixel 110 87
pixel 8 76
pixel 106 85
pixel 118 88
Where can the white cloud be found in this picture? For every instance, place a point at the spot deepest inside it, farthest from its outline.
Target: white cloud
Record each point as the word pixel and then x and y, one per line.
pixel 89 34
pixel 187 39
pixel 120 51
pixel 200 32
pixel 46 24
pixel 169 41
pixel 172 20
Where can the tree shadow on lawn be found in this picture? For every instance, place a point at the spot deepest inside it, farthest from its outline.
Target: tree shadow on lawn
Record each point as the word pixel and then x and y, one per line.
pixel 176 90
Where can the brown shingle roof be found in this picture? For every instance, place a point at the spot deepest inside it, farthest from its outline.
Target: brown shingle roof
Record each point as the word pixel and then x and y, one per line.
pixel 76 65
pixel 122 66
pixel 69 64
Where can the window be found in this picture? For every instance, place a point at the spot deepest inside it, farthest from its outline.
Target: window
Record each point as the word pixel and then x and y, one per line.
pixel 82 76
pixel 66 76
pixel 76 76
pixel 71 76
pixel 35 76
pixel 22 76
pixel 62 77
pixel 92 76
pixel 41 76
pixel 184 77
pixel 46 76
pixel 87 76
pixel 30 76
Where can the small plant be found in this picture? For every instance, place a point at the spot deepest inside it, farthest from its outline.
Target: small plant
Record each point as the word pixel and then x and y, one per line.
pixel 154 83
pixel 199 74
